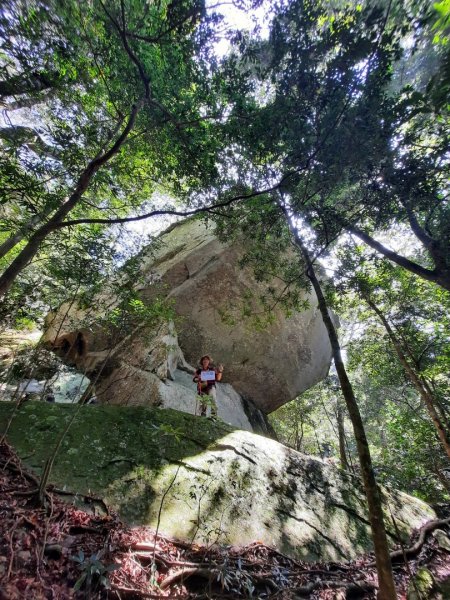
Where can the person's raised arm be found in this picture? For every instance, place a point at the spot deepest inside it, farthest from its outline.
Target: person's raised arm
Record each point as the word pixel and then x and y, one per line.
pixel 219 372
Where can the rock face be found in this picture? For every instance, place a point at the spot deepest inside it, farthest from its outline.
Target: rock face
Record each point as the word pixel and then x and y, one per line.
pixel 202 277
pixel 212 483
pixel 269 367
pixel 148 368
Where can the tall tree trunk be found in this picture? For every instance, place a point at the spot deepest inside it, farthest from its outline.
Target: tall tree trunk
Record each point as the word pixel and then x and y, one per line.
pixel 34 243
pixel 413 377
pixel 437 402
pixel 382 558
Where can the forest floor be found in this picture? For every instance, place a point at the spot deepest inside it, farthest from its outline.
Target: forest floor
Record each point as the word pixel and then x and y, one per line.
pixel 59 552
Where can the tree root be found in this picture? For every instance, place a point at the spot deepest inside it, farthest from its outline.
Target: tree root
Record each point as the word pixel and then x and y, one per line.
pixel 411 551
pixel 353 587
pixel 415 548
pixel 139 593
pixel 359 586
pixel 188 572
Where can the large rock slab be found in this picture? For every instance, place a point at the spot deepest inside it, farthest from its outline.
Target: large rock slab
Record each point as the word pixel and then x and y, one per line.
pixel 202 276
pixel 206 481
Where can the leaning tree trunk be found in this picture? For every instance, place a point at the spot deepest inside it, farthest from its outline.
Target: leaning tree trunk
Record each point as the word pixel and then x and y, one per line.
pixel 414 378
pixel 382 558
pixel 35 241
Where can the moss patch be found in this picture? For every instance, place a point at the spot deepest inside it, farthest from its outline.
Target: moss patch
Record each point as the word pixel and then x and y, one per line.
pixel 105 443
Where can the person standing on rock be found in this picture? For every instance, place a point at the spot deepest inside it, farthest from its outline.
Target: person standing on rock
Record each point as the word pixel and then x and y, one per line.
pixel 205 377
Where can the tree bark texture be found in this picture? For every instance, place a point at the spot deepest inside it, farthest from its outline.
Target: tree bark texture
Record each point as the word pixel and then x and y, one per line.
pixel 341 434
pixel 383 562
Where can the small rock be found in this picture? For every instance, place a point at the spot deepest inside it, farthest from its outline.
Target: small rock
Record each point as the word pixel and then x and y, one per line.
pixel 53 551
pixel 23 557
pixel 442 539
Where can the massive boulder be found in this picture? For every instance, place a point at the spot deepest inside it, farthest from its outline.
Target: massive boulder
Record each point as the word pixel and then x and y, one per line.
pixel 205 482
pixel 201 275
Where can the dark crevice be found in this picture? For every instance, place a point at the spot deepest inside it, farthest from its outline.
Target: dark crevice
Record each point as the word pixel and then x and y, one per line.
pixel 325 537
pixel 119 459
pixel 310 483
pixel 317 489
pixel 258 419
pixel 229 447
pixel 204 266
pixel 201 445
pixel 189 467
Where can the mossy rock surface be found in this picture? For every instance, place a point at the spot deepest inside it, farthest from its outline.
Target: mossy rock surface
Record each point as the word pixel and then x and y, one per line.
pixel 212 483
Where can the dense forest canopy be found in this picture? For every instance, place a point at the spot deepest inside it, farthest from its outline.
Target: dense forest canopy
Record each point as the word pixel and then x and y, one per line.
pixel 321 128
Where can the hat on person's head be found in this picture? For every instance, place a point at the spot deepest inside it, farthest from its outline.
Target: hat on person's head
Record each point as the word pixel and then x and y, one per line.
pixel 206 356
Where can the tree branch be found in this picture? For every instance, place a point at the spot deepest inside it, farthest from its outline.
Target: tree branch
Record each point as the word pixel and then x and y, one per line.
pixel 428 274
pixel 129 51
pixel 188 213
pixel 418 230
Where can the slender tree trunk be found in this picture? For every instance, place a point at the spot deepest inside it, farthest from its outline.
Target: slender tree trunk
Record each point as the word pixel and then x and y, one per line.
pixel 439 276
pixel 414 378
pixel 382 558
pixel 341 434
pixel 438 251
pixel 299 440
pixel 437 402
pixel 35 241
pixel 17 237
pixel 415 364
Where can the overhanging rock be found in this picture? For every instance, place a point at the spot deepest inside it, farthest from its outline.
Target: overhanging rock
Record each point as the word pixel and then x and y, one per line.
pixel 202 276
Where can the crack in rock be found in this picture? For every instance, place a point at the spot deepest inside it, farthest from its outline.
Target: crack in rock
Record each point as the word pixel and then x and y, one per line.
pixel 353 513
pixel 189 467
pixel 233 449
pixel 201 445
pixel 325 537
pixel 310 483
pixel 350 511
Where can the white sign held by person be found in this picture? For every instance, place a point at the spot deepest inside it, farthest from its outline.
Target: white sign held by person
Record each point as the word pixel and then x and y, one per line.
pixel 208 375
